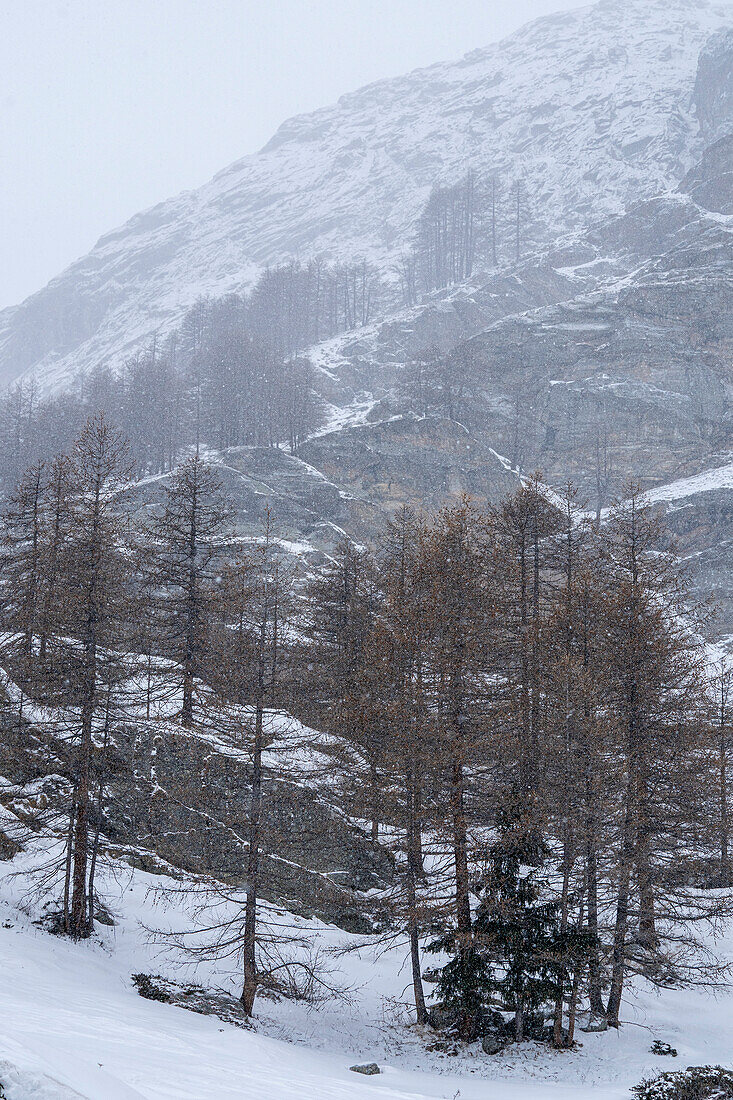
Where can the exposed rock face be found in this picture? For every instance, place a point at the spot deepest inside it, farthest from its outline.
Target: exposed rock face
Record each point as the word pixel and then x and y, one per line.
pixel 641 369
pixel 407 460
pixel 314 859
pixel 624 371
pixel 710 183
pixel 346 483
pixel 193 815
pixel 714 86
pixel 635 383
pixel 699 515
pixel 308 511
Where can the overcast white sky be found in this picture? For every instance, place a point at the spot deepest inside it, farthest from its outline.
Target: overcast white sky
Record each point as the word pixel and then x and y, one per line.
pixel 109 106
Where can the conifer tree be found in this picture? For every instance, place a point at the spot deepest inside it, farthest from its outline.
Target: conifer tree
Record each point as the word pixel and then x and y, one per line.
pixel 255 600
pixel 401 647
pixel 58 518
pixel 723 730
pixel 190 535
pixel 656 675
pixel 341 623
pixel 23 539
pixel 94 596
pixel 522 526
pixel 530 946
pixel 455 568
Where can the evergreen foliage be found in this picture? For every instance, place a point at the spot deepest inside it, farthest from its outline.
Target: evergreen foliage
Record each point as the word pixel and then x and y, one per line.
pixel 519 949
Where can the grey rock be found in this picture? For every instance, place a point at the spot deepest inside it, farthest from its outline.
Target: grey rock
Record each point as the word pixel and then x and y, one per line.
pixel 8 846
pixel 368 1069
pixel 194 998
pixel 710 183
pixel 713 95
pixel 441 1017
pixel 324 862
pixel 491 1044
pixel 663 1049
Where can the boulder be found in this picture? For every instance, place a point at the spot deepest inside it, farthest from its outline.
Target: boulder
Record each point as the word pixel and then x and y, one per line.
pixel 442 1017
pixel 664 1050
pixel 8 849
pixel 492 1044
pixel 369 1069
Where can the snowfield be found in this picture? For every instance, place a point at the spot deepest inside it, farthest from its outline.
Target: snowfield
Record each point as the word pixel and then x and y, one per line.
pixel 720 477
pixel 74 1026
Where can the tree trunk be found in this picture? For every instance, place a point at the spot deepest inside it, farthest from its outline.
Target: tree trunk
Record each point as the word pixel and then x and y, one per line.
pixel 250 984
pixel 463 902
pixel 622 909
pixel 594 962
pixel 573 1008
pixel 558 1038
pixel 375 800
pixel 98 823
pixel 645 875
pixel 725 871
pixel 192 624
pixel 519 1021
pixel 79 923
pixel 68 865
pixel 414 867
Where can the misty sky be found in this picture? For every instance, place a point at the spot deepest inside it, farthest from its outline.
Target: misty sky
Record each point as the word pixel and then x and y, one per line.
pixel 108 106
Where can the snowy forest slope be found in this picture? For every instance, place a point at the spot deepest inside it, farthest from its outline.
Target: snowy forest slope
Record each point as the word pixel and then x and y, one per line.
pixel 600 354
pixel 75 1029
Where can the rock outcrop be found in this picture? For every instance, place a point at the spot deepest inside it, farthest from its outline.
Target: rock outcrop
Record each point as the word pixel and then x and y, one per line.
pixel 710 183
pixel 713 95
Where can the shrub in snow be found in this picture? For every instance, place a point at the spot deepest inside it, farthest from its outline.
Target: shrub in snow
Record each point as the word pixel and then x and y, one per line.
pixel 658 1047
pixel 693 1083
pixel 148 987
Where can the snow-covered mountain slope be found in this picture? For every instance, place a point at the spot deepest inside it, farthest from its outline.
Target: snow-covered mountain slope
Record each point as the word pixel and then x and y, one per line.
pixel 712 480
pixel 593 109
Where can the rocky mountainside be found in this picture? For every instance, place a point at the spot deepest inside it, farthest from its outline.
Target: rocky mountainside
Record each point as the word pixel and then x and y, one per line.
pixel 604 354
pixel 593 109
pixel 175 801
pixel 620 369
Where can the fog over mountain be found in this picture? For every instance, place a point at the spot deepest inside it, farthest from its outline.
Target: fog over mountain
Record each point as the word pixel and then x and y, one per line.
pixel 593 110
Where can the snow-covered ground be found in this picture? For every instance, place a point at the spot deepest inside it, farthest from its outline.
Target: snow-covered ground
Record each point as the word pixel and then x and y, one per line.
pixel 74 1027
pixel 719 477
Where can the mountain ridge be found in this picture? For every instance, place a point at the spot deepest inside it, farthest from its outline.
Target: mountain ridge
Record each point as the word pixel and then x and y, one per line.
pixel 350 179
